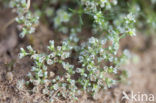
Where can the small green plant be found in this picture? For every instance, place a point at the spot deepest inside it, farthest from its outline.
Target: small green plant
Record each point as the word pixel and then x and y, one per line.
pixel 62 17
pixel 62 84
pixel 26 20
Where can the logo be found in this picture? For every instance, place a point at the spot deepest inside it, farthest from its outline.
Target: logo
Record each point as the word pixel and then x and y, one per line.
pixel 140 97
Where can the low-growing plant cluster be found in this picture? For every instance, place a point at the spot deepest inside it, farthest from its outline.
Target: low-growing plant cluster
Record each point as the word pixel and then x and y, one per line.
pixel 26 20
pixel 60 83
pixel 96 60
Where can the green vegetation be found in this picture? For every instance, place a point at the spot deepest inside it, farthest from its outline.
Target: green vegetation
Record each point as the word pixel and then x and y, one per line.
pixel 96 60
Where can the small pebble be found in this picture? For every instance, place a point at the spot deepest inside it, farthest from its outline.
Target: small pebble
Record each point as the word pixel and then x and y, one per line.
pixel 52 74
pixel 9 76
